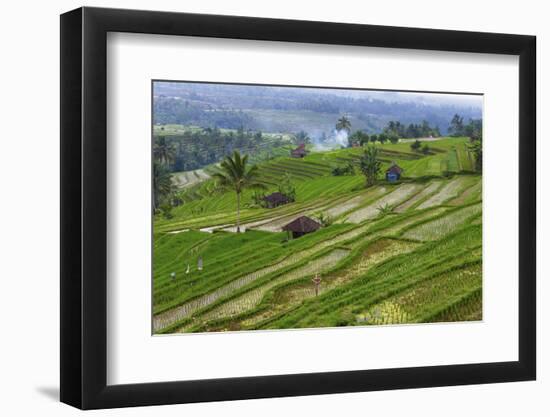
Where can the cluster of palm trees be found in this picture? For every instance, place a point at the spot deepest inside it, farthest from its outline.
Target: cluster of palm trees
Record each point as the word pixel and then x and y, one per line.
pixel 163 156
pixel 233 173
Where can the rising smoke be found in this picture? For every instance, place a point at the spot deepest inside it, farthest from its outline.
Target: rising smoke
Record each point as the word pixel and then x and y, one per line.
pixel 336 140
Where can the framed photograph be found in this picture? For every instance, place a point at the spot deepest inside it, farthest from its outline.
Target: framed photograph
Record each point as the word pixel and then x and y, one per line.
pixel 259 208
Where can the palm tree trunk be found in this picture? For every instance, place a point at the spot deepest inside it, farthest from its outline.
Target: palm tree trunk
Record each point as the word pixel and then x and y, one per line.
pixel 238 212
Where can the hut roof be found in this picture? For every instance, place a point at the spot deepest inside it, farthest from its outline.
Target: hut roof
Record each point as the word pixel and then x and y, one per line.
pixel 394 169
pixel 276 197
pixel 302 224
pixel 301 149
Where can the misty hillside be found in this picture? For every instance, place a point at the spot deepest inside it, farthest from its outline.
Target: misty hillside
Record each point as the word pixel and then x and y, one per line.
pixel 314 110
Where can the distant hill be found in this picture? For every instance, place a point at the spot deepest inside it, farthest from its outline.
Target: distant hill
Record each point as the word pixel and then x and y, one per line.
pixel 314 110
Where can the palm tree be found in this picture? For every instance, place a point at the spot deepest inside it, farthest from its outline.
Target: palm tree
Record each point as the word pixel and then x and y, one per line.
pixel 302 137
pixel 370 165
pixel 343 124
pixel 162 183
pixel 234 174
pixel 163 151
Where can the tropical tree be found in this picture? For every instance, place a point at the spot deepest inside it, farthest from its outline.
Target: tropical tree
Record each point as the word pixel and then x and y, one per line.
pixel 456 128
pixel 477 149
pixel 163 152
pixel 301 138
pixel 474 129
pixel 393 138
pixel 234 173
pixel 162 184
pixel 370 165
pixel 358 138
pixel 343 124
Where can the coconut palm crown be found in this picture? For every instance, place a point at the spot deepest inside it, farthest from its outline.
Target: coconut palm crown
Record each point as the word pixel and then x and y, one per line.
pixel 235 173
pixel 343 124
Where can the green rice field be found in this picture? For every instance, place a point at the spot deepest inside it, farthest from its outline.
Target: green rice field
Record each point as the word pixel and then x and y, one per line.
pixel 394 253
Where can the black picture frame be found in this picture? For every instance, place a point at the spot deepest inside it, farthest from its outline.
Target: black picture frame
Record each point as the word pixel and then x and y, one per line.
pixel 84 207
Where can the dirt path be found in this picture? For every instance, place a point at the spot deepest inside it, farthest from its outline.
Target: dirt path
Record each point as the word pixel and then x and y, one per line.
pixel 419 139
pixel 333 209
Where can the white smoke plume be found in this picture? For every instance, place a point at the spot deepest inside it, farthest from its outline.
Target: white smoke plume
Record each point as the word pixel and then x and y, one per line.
pixel 341 137
pixel 337 140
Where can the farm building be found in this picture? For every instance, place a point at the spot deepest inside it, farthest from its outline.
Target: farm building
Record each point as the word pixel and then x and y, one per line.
pixel 299 152
pixel 393 173
pixel 301 226
pixel 276 199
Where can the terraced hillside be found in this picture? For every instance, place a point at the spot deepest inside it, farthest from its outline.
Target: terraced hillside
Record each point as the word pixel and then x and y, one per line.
pixel 394 253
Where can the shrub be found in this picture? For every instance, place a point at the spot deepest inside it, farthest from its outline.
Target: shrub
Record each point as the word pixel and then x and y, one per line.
pixel 415 146
pixel 393 138
pixel 166 211
pixel 345 319
pixel 343 170
pixel 287 188
pixel 258 199
pixel 385 209
pixel 324 219
pixel 177 199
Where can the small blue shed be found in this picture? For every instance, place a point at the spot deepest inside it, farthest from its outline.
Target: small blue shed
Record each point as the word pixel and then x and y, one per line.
pixel 393 173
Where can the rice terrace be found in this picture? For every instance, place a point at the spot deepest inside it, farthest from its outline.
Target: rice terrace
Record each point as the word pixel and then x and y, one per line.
pixel 287 208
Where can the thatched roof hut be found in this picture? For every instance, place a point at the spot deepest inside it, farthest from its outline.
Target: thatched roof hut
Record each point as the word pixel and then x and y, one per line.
pixel 299 152
pixel 301 226
pixel 276 199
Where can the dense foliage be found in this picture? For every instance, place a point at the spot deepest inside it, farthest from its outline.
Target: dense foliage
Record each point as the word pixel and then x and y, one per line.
pixel 396 129
pixel 200 147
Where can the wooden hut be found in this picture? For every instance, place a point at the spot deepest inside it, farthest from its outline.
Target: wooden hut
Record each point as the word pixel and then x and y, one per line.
pixel 301 226
pixel 393 173
pixel 299 152
pixel 275 200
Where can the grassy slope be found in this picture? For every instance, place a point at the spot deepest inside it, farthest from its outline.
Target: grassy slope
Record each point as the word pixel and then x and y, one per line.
pixel 228 256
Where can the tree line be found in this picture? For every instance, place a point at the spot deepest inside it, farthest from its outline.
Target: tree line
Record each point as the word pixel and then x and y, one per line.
pixel 473 129
pixel 392 132
pixel 195 149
